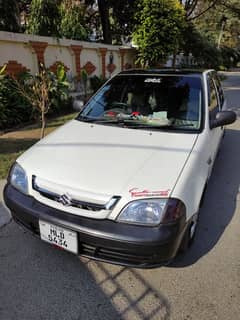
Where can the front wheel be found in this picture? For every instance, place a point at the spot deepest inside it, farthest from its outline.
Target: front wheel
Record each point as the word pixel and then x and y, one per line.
pixel 190 233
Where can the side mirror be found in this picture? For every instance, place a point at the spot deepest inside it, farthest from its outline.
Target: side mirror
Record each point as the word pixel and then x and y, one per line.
pixel 223 118
pixel 78 104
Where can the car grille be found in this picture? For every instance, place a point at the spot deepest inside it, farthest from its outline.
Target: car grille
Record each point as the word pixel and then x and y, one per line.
pixel 113 255
pixel 68 201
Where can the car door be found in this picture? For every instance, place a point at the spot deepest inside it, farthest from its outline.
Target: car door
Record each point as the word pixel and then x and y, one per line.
pixel 215 103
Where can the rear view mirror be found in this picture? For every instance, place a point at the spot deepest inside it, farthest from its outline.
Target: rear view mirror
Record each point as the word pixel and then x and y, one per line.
pixel 223 118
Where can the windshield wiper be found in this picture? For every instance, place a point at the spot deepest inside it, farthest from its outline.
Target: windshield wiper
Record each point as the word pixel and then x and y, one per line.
pixel 157 126
pixel 86 119
pixel 133 124
pixel 101 120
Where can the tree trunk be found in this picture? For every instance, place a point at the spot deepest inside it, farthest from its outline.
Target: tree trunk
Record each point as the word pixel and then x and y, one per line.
pixel 43 123
pixel 104 14
pixel 174 60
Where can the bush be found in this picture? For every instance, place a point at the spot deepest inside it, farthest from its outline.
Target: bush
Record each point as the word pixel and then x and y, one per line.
pixel 96 82
pixel 17 97
pixel 14 109
pixel 230 57
pixel 205 53
pixel 222 68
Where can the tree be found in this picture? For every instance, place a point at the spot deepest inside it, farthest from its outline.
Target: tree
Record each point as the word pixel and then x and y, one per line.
pixel 24 8
pixel 220 25
pixel 42 89
pixel 159 30
pixel 194 8
pixel 73 21
pixel 44 19
pixel 204 51
pixel 103 8
pixel 212 32
pixel 113 18
pixel 122 19
pixel 9 16
pixel 117 19
pixel 99 16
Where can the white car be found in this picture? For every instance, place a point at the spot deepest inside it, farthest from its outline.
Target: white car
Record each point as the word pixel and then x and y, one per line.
pixel 124 181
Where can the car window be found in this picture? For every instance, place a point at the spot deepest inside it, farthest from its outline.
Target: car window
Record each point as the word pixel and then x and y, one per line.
pixel 149 100
pixel 213 105
pixel 220 90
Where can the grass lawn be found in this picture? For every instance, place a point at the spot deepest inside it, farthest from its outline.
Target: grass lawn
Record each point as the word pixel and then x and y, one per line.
pixel 14 143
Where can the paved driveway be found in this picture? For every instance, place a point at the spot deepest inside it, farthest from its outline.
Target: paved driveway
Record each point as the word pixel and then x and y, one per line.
pixel 40 282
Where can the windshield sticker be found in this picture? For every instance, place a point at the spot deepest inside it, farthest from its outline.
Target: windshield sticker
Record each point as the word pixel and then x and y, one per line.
pixel 159 115
pixel 111 114
pixel 153 80
pixel 146 193
pixel 135 114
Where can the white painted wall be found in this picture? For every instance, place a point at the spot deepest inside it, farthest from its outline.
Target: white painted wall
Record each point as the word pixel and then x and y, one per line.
pixel 94 57
pixel 16 46
pixel 58 53
pixel 19 51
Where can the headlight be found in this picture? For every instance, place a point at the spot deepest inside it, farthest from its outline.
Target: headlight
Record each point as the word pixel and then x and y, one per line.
pixel 147 212
pixel 18 178
pixel 152 212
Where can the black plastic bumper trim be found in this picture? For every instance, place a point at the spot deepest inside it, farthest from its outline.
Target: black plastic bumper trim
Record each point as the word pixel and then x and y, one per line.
pixel 103 239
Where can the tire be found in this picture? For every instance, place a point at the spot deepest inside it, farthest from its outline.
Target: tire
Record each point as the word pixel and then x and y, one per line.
pixel 189 235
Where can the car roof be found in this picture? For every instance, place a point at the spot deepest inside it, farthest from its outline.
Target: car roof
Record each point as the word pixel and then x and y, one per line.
pixel 165 71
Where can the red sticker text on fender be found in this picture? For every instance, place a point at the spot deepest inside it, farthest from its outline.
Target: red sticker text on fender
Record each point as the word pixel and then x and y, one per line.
pixel 135 192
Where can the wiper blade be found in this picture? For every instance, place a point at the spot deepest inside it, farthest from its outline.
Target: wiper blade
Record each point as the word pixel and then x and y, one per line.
pixel 86 119
pixel 101 120
pixel 133 124
pixel 157 126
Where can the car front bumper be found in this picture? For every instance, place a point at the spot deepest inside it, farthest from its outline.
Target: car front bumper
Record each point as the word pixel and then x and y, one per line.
pixel 104 240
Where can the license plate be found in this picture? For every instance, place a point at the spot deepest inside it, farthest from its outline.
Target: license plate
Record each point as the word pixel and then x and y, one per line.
pixel 61 237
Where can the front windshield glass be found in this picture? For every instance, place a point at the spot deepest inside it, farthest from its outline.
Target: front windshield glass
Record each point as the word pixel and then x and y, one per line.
pixel 147 101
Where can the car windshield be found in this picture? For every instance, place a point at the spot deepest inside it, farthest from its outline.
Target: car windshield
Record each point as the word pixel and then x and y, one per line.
pixel 148 101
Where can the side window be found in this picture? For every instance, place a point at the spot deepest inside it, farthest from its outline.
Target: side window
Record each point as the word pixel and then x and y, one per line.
pixel 220 90
pixel 213 106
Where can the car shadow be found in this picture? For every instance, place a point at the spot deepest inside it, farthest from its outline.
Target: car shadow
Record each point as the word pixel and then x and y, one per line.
pixel 220 201
pixel 39 282
pixel 5 215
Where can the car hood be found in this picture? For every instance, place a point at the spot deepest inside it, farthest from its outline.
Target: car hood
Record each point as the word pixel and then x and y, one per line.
pixel 99 161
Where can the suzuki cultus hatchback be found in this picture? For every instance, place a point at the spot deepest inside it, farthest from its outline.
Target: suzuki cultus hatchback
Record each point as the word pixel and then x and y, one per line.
pixel 124 181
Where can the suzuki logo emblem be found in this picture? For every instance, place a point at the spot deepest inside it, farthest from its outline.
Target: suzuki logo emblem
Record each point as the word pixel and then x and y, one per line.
pixel 65 199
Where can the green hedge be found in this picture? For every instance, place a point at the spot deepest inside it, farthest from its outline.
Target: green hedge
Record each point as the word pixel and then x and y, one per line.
pixel 15 110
